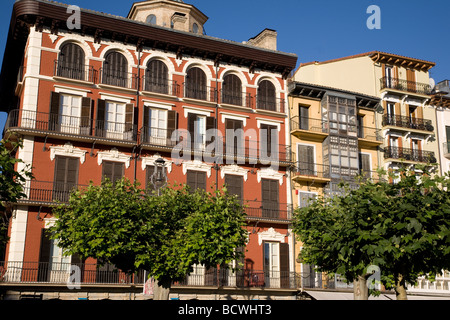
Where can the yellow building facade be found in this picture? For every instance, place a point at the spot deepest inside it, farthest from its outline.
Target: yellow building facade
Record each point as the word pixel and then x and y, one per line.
pixel 405 117
pixel 334 138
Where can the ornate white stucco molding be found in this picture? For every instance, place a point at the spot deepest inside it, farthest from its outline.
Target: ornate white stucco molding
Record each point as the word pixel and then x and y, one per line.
pixel 113 155
pixel 197 165
pixel 67 150
pixel 271 235
pixel 234 169
pixel 269 173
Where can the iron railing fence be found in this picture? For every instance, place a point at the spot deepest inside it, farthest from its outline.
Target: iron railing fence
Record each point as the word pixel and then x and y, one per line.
pixel 407 122
pixel 118 78
pixel 75 71
pixel 160 85
pixel 58 273
pixel 405 85
pixel 309 124
pixel 409 154
pixel 73 125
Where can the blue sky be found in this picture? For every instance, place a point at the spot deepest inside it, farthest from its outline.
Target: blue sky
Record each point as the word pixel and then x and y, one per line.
pixel 314 30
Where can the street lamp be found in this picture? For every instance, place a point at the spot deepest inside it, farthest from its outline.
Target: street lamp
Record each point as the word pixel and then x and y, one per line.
pixel 159 177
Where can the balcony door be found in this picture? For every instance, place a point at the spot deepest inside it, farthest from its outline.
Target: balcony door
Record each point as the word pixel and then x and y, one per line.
pixel 276 264
pixel 388 74
pixel 65 177
pixel 306 162
pixel 71 62
pixel 70 114
pixel 116 120
pixel 304 117
pixel 270 198
pixel 234 138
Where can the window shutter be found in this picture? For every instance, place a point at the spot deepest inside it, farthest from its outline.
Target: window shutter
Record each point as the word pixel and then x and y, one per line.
pixel 129 117
pixel 53 119
pixel 112 170
pixel 365 164
pixel 304 118
pixel 171 124
pixel 100 120
pixel 210 124
pixel 191 127
pixel 306 159
pixel 284 265
pixel 232 90
pixel 269 198
pixel 65 177
pixel 107 170
pixel 44 256
pixel 86 104
pixel 196 180
pixel 235 185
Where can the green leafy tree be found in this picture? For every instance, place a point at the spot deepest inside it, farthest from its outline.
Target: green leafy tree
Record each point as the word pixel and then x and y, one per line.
pixel 11 183
pixel 401 228
pixel 164 235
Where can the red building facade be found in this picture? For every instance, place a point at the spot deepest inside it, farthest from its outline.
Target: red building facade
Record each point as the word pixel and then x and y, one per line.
pixel 110 97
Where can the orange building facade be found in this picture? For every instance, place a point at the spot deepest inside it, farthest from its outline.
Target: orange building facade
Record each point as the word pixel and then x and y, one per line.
pixel 109 98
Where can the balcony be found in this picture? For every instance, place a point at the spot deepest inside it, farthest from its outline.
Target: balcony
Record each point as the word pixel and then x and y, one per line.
pixel 199 92
pixel 309 129
pixel 47 193
pixel 118 79
pixel 311 172
pixel 409 155
pixel 260 210
pixel 369 137
pixel 160 86
pixel 73 71
pixel 405 86
pixel 407 122
pixel 80 128
pixel 270 103
pixel 53 274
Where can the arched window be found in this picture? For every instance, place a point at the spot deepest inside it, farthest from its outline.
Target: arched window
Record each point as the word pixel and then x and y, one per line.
pixel 195 86
pixel 232 90
pixel 71 63
pixel 266 96
pixel 157 77
pixel 195 28
pixel 115 69
pixel 151 19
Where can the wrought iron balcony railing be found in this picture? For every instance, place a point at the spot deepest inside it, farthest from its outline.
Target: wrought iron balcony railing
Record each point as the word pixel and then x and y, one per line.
pixel 80 126
pixel 75 71
pixel 309 124
pixel 409 154
pixel 265 210
pixel 162 86
pixel 118 78
pixel 407 122
pixel 405 85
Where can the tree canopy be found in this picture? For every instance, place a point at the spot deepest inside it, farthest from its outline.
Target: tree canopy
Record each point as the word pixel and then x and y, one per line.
pixel 403 228
pixel 165 234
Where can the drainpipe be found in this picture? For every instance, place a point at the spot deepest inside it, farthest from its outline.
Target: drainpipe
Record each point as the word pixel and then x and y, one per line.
pixel 137 106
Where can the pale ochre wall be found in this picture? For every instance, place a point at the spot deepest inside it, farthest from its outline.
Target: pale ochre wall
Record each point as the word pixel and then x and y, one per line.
pixel 356 74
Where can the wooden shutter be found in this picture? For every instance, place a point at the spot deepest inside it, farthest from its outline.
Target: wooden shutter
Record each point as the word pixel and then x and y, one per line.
pixel 65 177
pixel 270 198
pixel 196 84
pixel 304 117
pixel 234 143
pixel 171 125
pixel 71 62
pixel 129 117
pixel 112 170
pixel 86 107
pixel 44 267
pixel 306 159
pixel 53 117
pixel 268 134
pixel 365 164
pixel 115 69
pixel 196 180
pixel 284 265
pixel 191 127
pixel 232 90
pixel 210 124
pixel 100 124
pixel 235 185
pixel 267 96
pixel 157 76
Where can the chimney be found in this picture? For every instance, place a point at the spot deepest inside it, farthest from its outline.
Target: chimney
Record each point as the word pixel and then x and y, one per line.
pixel 266 39
pixel 179 21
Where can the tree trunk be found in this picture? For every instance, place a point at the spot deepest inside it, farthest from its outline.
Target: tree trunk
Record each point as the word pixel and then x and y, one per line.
pixel 161 290
pixel 360 290
pixel 400 288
